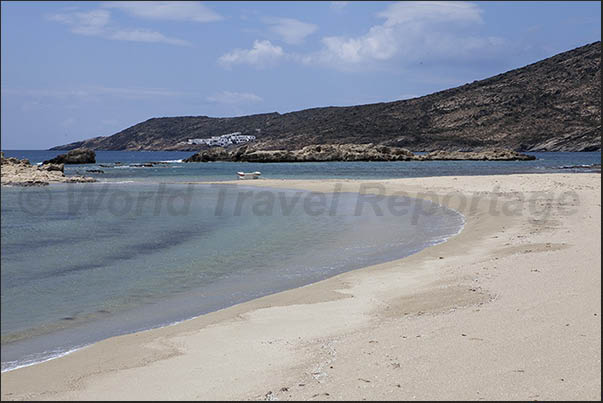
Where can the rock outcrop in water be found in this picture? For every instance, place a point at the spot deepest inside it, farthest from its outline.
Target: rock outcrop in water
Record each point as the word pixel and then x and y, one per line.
pixel 487 155
pixel 52 167
pixel 349 152
pixel 76 156
pixel 22 173
pixel 322 152
pixel 328 152
pixel 551 105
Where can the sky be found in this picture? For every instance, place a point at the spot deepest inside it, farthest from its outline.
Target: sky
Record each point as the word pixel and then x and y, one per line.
pixel 75 70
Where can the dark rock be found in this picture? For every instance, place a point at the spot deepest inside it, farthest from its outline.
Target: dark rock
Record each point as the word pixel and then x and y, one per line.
pixel 352 152
pixel 52 167
pixel 77 156
pixel 486 155
pixel 324 152
pixel 209 155
pixel 144 165
pixel 96 171
pixel 29 183
pixel 349 152
pixel 268 156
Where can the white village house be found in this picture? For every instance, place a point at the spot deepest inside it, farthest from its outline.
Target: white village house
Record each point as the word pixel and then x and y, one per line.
pixel 223 140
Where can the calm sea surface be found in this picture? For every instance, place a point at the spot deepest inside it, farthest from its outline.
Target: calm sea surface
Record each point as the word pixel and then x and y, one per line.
pixel 176 171
pixel 141 249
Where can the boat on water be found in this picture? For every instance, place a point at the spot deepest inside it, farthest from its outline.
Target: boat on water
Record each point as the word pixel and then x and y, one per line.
pixel 248 175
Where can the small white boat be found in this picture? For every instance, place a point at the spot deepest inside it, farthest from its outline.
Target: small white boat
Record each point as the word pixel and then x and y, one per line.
pixel 249 175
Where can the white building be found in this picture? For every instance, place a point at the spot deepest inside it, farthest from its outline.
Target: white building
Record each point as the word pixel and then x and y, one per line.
pixel 223 140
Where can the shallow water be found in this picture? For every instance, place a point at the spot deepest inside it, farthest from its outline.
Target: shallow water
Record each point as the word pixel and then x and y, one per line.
pixel 82 262
pixel 219 171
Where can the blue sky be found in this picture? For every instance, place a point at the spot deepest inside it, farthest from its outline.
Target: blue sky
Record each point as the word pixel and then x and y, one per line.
pixel 75 70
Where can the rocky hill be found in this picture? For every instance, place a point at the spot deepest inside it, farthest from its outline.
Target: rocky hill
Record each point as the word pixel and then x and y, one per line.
pixel 551 105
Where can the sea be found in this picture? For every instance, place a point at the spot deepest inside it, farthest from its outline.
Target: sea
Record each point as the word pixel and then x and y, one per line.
pixel 147 246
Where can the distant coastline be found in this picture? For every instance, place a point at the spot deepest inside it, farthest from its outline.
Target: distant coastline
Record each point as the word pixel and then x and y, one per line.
pixel 169 166
pixel 550 105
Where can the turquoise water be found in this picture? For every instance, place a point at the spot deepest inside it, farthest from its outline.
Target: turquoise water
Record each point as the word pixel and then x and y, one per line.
pixel 141 249
pixel 82 262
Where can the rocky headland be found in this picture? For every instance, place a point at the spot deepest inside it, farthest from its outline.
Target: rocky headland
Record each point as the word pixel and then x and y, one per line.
pixel 550 105
pixel 18 172
pixel 75 156
pixel 349 152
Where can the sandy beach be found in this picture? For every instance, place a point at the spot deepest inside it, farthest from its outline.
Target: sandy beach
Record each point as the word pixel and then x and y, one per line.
pixel 508 309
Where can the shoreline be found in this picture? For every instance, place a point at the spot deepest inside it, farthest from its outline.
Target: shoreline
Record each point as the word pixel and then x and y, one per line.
pixel 295 337
pixel 60 352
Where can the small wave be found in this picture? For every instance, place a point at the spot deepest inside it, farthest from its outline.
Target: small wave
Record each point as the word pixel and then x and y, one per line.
pixel 117 182
pixel 581 166
pixel 37 359
pixel 172 161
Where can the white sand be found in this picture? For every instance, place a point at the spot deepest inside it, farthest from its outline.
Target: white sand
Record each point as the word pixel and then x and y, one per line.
pixel 508 309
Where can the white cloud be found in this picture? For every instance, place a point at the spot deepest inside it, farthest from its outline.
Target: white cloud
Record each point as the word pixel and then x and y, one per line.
pixel 98 23
pixel 290 30
pixel 142 35
pixel 227 97
pixel 378 44
pixel 262 54
pixel 411 32
pixel 90 23
pixel 422 12
pixel 167 10
pixel 338 5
